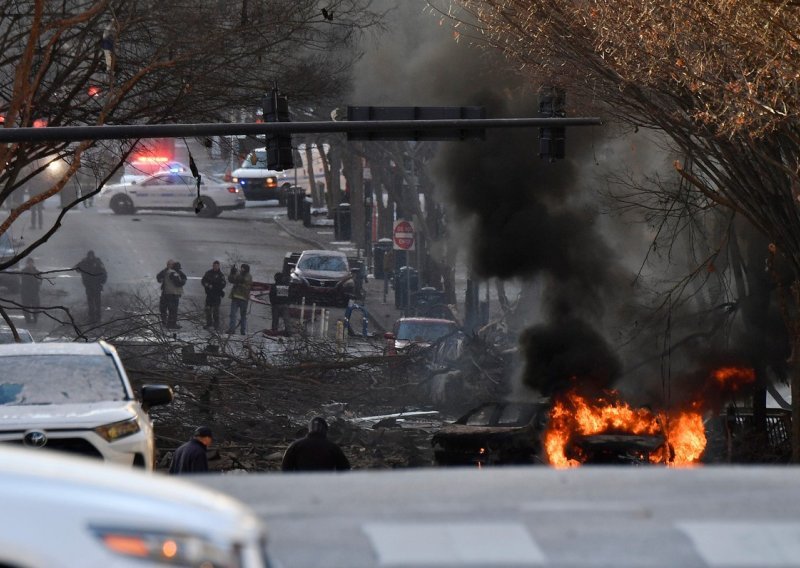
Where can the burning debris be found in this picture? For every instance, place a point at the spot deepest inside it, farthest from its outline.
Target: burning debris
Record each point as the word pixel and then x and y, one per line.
pixel 674 437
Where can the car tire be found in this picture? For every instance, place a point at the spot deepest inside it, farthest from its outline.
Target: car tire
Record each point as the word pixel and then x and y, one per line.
pixel 210 208
pixel 122 205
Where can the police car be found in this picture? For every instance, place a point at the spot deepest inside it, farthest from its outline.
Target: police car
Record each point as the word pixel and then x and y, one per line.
pixel 175 191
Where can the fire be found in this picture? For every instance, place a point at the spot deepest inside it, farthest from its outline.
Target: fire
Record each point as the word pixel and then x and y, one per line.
pixel 682 430
pixel 574 416
pixel 733 377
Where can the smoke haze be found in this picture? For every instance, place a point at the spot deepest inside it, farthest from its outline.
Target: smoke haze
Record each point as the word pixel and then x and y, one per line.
pixel 520 217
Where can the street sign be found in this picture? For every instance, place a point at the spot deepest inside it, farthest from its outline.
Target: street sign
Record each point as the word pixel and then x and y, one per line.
pixel 403 235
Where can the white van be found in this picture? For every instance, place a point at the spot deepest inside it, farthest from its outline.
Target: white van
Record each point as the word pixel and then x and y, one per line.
pixel 259 183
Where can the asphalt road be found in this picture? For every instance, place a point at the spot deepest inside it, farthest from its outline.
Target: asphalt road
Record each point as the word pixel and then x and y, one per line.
pixel 528 516
pixel 134 248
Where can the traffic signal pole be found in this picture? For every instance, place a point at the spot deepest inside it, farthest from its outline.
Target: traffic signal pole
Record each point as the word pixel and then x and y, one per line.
pixel 134 131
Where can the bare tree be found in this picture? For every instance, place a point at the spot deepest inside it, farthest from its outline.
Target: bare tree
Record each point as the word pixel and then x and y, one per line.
pixel 96 62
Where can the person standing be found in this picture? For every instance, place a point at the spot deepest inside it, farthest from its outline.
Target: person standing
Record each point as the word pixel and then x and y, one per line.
pixel 279 300
pixel 242 281
pixel 162 301
pixel 315 452
pixel 94 276
pixel 174 281
pixel 30 282
pixel 37 215
pixel 214 284
pixel 192 456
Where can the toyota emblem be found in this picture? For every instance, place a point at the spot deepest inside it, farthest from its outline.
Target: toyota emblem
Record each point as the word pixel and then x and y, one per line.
pixel 35 439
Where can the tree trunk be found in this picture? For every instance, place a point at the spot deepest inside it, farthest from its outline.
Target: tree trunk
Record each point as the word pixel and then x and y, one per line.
pixel 794 374
pixel 312 181
pixel 354 173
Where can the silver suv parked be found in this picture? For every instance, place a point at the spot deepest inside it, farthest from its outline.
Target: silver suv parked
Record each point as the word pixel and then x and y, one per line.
pixel 76 397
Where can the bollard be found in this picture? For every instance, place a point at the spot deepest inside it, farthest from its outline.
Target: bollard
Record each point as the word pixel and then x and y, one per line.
pixel 340 335
pixel 303 313
pixel 313 318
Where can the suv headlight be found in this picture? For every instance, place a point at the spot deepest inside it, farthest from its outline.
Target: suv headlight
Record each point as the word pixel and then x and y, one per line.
pixel 117 430
pixel 168 548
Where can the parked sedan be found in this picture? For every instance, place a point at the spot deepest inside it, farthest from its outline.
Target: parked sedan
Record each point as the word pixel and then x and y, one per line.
pixel 172 191
pixel 323 277
pixel 494 433
pixel 420 332
pixel 63 511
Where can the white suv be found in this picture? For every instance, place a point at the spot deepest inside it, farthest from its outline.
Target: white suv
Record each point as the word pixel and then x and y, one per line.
pixel 76 397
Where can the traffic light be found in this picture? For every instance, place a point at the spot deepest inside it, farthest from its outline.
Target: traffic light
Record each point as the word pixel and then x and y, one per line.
pixel 279 145
pixel 551 138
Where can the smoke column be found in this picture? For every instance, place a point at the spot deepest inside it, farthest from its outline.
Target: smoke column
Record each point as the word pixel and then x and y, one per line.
pixel 521 216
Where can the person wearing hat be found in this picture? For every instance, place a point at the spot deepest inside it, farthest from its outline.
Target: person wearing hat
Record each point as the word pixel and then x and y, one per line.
pixel 315 452
pixel 191 457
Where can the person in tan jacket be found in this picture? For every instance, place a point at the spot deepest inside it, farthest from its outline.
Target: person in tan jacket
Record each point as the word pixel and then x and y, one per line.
pixel 242 281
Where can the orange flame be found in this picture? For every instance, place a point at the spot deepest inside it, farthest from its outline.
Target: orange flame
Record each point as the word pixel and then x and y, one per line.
pixel 733 377
pixel 573 416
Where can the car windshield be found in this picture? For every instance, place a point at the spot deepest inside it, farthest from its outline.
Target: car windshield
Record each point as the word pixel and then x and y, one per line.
pixel 261 160
pixel 322 262
pixel 480 417
pixel 7 337
pixel 423 331
pixel 59 379
pixel 515 415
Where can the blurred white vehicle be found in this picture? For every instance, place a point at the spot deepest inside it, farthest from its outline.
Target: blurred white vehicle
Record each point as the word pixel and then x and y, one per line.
pixel 136 171
pixel 171 191
pixel 7 337
pixel 63 511
pixel 76 398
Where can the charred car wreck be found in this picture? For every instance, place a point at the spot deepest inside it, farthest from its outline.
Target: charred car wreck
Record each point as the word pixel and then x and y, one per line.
pixel 495 433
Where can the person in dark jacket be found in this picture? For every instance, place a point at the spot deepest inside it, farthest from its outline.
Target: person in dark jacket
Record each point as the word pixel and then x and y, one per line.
pixel 192 457
pixel 315 452
pixel 173 289
pixel 94 276
pixel 214 284
pixel 162 301
pixel 279 301
pixel 30 282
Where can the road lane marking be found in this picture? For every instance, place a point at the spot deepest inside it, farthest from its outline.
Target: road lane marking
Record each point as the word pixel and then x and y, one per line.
pixel 453 544
pixel 745 543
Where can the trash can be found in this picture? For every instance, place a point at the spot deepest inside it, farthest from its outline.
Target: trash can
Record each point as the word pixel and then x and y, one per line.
pixel 406 281
pixel 379 250
pixel 292 202
pixel 427 302
pixel 306 212
pixel 341 223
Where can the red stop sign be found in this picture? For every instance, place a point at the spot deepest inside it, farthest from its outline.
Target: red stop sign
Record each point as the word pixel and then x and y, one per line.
pixel 403 235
